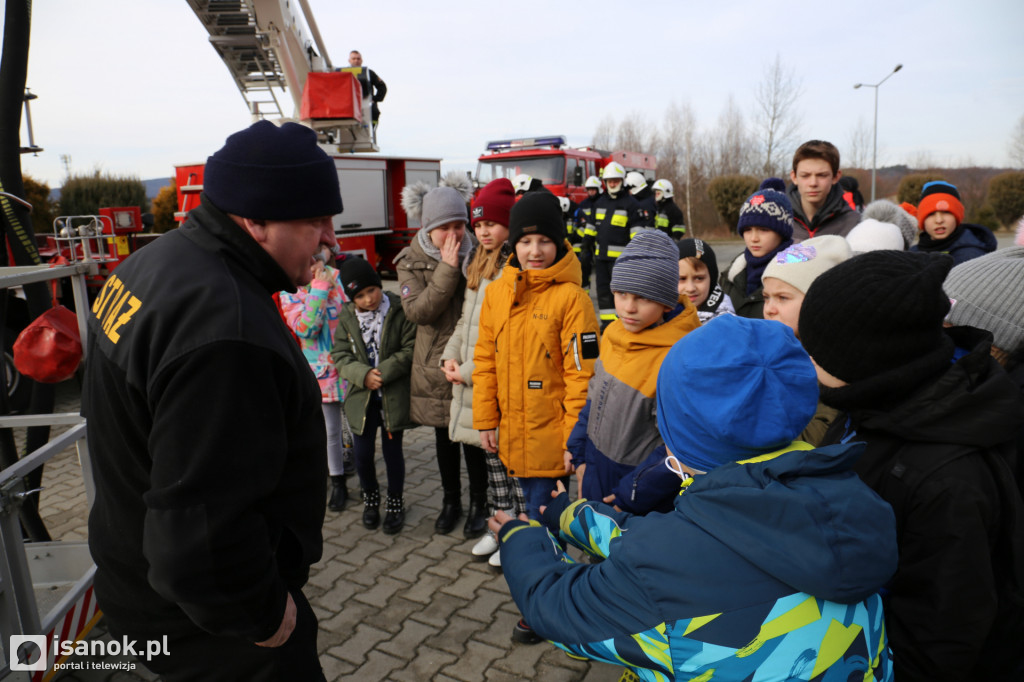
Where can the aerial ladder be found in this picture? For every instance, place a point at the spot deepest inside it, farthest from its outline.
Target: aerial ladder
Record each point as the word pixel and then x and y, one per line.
pixel 265 46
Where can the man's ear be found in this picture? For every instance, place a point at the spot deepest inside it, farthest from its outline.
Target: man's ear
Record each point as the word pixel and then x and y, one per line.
pixel 257 229
pixel 835 178
pixel 792 176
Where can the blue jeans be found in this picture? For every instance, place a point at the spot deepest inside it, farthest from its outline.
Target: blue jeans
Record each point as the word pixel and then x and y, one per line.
pixel 537 492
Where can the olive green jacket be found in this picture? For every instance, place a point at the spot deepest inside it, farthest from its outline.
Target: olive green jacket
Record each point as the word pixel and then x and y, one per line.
pixel 397 338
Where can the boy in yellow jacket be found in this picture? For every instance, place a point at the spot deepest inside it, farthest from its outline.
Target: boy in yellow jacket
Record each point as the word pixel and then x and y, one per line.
pixel 534 356
pixel 536 351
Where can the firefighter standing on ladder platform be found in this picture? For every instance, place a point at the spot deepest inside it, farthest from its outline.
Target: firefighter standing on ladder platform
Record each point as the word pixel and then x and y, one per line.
pixel 616 216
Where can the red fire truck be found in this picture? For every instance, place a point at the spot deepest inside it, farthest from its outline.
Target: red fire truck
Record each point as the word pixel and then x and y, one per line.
pixel 562 169
pixel 274 51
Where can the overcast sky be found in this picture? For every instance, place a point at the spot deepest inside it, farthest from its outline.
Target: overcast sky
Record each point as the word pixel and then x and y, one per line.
pixel 135 88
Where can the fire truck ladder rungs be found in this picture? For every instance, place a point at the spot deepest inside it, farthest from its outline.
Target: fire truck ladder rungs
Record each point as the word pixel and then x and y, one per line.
pixel 248 55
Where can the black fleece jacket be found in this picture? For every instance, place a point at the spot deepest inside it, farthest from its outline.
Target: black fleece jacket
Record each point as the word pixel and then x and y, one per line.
pixel 206 436
pixel 941 448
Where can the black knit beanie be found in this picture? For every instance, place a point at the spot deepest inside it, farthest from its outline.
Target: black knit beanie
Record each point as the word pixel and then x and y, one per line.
pixel 538 212
pixel 701 250
pixel 356 275
pixel 875 312
pixel 266 172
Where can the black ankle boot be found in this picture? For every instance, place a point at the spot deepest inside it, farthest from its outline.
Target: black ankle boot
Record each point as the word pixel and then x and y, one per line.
pixel 371 509
pixel 476 517
pixel 339 494
pixel 394 516
pixel 451 511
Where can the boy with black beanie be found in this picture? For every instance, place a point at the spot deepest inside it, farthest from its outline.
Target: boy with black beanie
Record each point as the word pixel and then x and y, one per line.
pixel 698 279
pixel 940 419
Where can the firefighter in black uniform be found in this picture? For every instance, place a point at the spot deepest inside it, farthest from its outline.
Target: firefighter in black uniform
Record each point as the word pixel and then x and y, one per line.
pixel 575 238
pixel 205 424
pixel 669 218
pixel 584 216
pixel 637 185
pixel 616 216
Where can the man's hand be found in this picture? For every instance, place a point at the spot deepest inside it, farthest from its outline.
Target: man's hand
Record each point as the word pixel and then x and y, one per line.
pixel 373 379
pixel 567 461
pixel 284 631
pixel 489 440
pixel 580 470
pixel 450 250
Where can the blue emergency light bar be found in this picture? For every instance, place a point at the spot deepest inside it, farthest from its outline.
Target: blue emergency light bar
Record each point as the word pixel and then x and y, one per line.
pixel 555 141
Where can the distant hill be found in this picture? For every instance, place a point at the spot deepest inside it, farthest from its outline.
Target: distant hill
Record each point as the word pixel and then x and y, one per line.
pixel 153 187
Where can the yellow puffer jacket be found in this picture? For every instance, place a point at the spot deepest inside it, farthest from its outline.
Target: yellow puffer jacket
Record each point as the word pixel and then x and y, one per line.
pixel 534 357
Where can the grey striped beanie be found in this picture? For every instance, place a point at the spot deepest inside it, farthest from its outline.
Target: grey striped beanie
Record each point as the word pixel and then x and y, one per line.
pixel 649 267
pixel 988 293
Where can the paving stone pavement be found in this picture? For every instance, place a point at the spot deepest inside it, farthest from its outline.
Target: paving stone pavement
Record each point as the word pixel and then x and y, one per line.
pixel 407 607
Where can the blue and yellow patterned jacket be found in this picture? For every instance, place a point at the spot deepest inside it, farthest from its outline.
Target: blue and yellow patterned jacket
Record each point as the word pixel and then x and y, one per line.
pixel 767 569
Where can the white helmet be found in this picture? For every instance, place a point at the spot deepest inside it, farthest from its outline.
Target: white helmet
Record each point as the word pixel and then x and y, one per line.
pixel 564 201
pixel 614 170
pixel 593 182
pixel 635 181
pixel 664 186
pixel 521 182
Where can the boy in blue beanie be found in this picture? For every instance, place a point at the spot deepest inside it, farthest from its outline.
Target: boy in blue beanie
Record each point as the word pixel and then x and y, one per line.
pixel 768 567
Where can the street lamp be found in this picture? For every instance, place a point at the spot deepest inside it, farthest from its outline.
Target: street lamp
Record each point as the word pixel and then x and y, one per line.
pixel 874 153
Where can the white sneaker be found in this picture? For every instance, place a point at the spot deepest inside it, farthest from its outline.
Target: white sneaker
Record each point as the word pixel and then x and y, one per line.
pixel 485 547
pixel 495 560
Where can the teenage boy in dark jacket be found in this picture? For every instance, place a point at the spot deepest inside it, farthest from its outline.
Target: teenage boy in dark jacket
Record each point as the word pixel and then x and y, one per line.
pixel 206 433
pixel 818 204
pixel 940 419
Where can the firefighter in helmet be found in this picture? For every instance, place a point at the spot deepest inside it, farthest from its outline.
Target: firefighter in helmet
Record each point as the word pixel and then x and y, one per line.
pixel 669 218
pixel 616 215
pixel 582 217
pixel 524 183
pixel 637 185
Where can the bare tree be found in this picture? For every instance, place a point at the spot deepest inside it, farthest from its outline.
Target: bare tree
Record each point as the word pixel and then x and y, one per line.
pixel 679 155
pixel 604 134
pixel 859 153
pixel 922 160
pixel 776 120
pixel 636 133
pixel 731 146
pixel 1017 144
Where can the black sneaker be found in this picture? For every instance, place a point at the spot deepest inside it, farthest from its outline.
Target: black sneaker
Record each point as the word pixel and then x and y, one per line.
pixel 524 634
